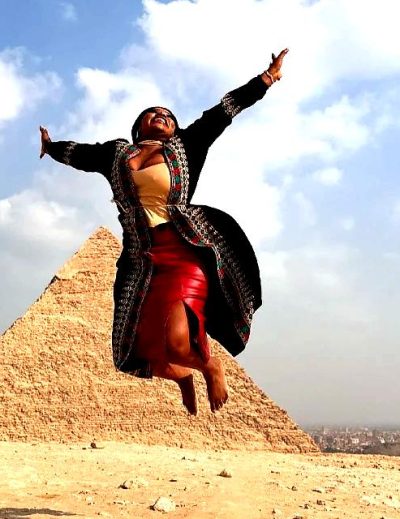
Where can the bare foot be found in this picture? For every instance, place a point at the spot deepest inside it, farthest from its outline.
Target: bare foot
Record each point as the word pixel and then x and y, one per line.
pixel 217 389
pixel 188 391
pixel 183 377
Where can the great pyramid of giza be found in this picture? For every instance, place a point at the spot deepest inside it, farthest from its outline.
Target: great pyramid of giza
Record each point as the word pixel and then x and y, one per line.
pixel 59 383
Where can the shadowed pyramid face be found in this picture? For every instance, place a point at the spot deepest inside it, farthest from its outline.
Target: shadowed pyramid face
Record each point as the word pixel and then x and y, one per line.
pixel 59 382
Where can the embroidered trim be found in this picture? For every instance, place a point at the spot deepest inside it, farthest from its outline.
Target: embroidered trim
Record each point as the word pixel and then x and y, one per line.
pixel 66 159
pixel 198 231
pixel 136 240
pixel 179 169
pixel 230 106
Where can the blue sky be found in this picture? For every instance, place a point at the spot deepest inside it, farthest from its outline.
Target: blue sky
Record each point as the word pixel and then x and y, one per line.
pixel 317 189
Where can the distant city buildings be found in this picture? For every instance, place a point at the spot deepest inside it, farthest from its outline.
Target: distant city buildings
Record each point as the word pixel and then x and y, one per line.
pixel 356 440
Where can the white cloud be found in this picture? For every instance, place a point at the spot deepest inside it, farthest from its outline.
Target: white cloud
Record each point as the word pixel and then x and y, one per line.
pixel 306 209
pixel 315 65
pixel 347 224
pixel 29 217
pixel 163 71
pixel 392 256
pixel 321 279
pixel 274 268
pixel 340 126
pixel 338 40
pixel 109 104
pixel 283 130
pixel 18 89
pixel 328 176
pixel 36 236
pixel 42 226
pixel 68 11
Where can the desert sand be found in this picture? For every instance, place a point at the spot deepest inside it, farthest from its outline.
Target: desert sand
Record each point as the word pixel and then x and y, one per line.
pixel 42 480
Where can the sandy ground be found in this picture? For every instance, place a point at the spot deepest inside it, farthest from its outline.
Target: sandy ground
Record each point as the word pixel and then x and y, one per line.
pixel 54 480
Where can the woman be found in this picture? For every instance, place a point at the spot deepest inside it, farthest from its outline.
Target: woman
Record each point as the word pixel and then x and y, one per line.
pixel 184 269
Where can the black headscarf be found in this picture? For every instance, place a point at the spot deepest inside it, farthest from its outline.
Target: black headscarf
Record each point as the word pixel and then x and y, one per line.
pixel 136 124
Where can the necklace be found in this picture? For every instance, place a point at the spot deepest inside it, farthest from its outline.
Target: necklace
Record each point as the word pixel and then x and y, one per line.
pixel 151 142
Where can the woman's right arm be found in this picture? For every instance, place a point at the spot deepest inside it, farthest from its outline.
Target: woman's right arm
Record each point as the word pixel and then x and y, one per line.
pixel 214 121
pixel 86 157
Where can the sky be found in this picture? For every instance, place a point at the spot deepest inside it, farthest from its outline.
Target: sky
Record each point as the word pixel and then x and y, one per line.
pixel 311 172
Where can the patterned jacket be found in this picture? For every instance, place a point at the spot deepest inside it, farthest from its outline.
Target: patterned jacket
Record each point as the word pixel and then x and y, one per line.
pixel 234 280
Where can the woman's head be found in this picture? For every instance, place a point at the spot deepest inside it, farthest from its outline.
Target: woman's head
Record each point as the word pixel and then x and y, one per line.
pixel 154 123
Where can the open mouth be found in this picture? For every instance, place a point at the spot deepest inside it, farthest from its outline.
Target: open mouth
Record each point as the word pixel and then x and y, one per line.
pixel 160 118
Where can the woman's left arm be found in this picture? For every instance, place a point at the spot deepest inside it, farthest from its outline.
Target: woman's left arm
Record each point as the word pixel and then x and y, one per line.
pixel 214 121
pixel 85 157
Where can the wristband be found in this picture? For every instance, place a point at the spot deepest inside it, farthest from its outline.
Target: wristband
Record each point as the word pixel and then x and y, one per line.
pixel 269 75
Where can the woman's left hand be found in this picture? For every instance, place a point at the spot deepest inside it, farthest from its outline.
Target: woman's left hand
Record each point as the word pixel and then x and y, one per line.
pixel 44 139
pixel 273 72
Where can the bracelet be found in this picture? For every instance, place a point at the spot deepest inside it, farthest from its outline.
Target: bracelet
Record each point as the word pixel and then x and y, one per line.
pixel 269 75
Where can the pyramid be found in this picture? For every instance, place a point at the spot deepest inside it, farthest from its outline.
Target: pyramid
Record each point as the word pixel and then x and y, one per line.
pixel 59 383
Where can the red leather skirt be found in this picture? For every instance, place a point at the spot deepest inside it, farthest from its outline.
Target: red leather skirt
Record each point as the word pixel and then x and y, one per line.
pixel 178 275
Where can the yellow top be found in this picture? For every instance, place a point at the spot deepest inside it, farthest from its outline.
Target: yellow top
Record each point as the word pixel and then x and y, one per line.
pixel 153 185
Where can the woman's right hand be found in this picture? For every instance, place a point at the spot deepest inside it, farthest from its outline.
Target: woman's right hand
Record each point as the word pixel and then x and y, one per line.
pixel 45 138
pixel 273 73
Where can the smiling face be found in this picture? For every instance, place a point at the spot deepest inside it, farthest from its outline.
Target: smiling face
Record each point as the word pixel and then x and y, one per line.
pixel 157 123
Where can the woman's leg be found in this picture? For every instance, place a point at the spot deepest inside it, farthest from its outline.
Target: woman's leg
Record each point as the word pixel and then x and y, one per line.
pixel 164 335
pixel 179 351
pixel 183 377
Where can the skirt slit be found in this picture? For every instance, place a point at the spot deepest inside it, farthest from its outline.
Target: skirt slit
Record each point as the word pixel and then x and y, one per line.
pixel 178 275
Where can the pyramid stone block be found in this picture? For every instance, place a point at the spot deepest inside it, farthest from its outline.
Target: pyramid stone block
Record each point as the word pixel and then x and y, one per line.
pixel 59 383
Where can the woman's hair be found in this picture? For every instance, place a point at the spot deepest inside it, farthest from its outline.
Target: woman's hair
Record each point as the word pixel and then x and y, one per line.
pixel 137 123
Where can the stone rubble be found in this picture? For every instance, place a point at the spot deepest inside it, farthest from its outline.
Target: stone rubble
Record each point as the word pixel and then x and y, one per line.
pixel 163 504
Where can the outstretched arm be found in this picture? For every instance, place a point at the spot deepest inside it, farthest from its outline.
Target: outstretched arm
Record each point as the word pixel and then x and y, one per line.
pixel 86 157
pixel 214 121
